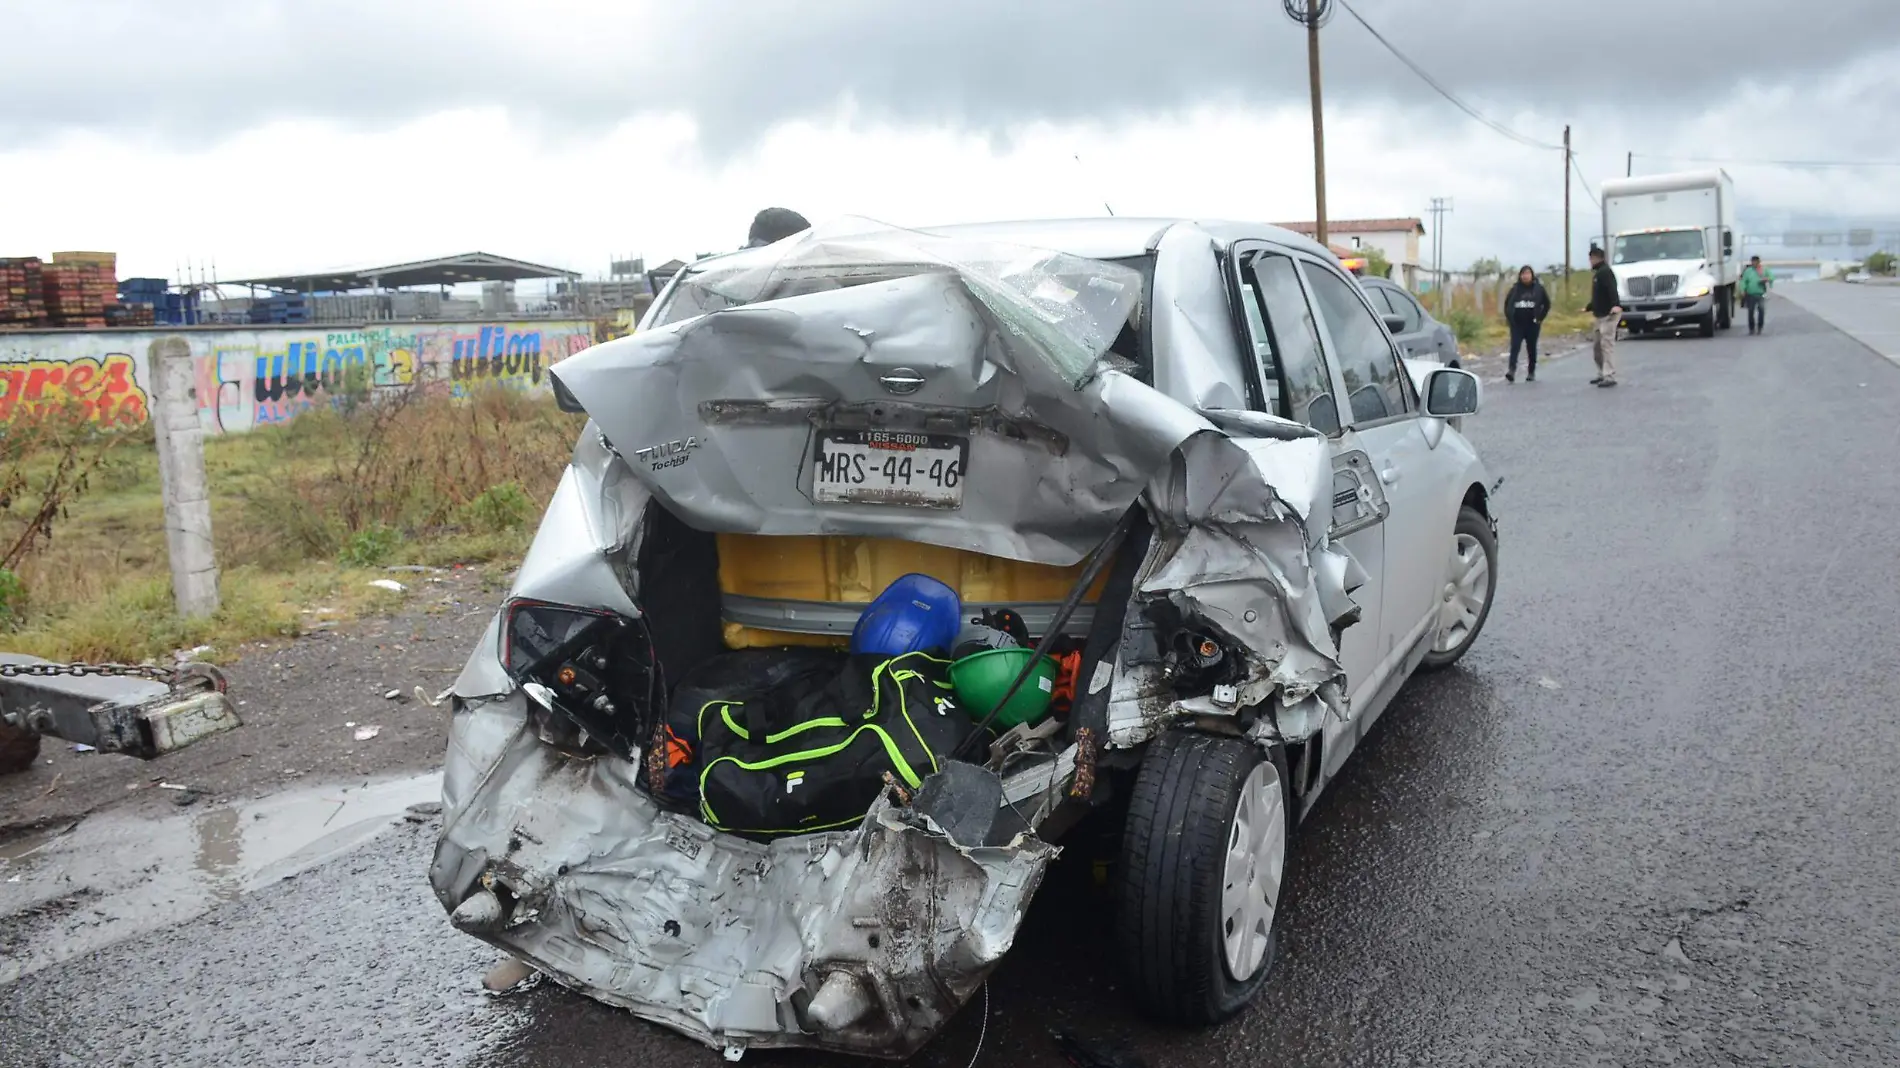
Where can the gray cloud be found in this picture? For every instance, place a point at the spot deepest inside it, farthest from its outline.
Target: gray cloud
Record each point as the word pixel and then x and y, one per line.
pixel 192 73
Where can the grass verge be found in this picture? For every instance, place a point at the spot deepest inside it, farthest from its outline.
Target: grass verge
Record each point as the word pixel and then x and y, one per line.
pixel 304 515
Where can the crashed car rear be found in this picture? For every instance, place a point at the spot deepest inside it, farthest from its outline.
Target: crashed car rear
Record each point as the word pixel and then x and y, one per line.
pixel 1069 450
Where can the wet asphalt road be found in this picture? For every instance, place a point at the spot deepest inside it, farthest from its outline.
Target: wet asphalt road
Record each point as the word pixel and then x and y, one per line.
pixel 1650 820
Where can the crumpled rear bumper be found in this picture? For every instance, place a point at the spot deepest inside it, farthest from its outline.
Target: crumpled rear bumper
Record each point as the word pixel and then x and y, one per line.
pixel 566 864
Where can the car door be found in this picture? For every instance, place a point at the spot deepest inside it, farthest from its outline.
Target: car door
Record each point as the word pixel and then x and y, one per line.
pixel 1302 386
pixel 1382 413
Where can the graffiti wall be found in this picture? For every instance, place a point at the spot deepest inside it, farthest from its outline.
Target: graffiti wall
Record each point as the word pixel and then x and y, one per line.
pixel 258 375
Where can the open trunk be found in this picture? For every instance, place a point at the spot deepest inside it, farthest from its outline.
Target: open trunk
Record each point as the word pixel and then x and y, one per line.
pixel 841 411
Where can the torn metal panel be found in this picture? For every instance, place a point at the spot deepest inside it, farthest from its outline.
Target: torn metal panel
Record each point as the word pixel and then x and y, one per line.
pixel 138 717
pixel 1254 566
pixel 723 939
pixel 994 347
pixel 1192 325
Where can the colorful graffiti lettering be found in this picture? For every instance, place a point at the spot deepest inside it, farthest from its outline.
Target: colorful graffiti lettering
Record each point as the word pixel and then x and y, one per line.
pixel 250 377
pixel 106 390
pixel 495 354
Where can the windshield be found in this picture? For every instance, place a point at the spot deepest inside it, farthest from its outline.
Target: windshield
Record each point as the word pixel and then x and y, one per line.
pixel 1668 245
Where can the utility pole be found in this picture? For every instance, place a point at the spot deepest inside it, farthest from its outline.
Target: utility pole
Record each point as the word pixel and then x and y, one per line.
pixel 1441 207
pixel 1566 207
pixel 1319 129
pixel 1629 165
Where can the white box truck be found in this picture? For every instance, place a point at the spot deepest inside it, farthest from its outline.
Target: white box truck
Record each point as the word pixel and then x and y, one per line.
pixel 1671 241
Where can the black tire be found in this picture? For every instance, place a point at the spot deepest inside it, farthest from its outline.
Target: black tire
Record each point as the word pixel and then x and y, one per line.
pixel 1169 922
pixel 18 749
pixel 1724 309
pixel 1470 522
pixel 1705 326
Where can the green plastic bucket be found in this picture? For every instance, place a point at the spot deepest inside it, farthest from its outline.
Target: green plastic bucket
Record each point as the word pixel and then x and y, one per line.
pixel 981 678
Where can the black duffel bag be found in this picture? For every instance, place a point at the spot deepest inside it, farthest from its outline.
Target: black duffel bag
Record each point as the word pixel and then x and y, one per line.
pixel 811 754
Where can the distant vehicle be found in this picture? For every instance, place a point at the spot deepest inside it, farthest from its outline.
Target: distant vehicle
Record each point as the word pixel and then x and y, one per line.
pixel 1420 336
pixel 1671 242
pixel 1856 277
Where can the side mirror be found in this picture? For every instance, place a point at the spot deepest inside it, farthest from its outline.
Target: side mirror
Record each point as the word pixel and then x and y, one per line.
pixel 1728 242
pixel 1451 392
pixel 1394 324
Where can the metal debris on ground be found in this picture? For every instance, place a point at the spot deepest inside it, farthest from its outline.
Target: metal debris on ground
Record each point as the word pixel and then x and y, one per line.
pixel 393 695
pixel 82 747
pixel 364 734
pixel 173 786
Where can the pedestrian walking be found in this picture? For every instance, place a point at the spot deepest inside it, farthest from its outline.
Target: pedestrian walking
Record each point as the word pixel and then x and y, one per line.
pixel 1755 282
pixel 1603 307
pixel 1524 310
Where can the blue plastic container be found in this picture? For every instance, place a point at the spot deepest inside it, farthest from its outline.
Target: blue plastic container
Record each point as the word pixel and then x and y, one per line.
pixel 915 613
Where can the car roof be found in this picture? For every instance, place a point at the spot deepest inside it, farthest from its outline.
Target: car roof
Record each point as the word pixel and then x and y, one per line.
pixel 1116 237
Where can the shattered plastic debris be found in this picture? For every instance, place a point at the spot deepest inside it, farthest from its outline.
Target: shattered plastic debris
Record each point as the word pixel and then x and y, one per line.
pixel 364 734
pixel 173 786
pixel 388 584
pixel 82 747
pixel 393 695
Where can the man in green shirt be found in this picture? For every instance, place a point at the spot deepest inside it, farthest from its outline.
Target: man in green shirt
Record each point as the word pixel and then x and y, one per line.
pixel 1755 282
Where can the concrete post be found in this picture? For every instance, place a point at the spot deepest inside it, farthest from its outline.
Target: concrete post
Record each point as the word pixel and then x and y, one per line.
pixel 181 475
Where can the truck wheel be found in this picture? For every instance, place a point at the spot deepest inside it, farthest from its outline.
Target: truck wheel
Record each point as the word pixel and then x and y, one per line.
pixel 1724 308
pixel 1204 862
pixel 18 749
pixel 1705 326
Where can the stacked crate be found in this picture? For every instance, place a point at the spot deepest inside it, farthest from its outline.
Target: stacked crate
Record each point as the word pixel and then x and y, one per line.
pixel 22 302
pixel 78 286
pixel 280 308
pixel 142 302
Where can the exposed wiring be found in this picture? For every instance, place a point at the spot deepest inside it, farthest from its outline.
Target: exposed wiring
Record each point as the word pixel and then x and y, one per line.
pixel 983 1032
pixel 1528 142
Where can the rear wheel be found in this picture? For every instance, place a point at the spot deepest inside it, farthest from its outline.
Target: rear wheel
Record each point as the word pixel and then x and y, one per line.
pixel 1465 600
pixel 1204 861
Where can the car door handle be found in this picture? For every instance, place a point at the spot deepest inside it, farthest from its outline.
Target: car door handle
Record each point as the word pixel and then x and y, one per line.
pixel 1388 474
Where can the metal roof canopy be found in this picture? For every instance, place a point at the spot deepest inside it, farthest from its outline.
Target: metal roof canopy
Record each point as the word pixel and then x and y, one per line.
pixel 447 271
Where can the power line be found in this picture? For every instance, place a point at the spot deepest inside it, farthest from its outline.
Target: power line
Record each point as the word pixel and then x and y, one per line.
pixel 1529 142
pixel 1816 163
pixel 1585 181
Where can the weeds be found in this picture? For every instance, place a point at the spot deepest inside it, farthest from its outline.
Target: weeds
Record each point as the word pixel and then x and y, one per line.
pixel 300 510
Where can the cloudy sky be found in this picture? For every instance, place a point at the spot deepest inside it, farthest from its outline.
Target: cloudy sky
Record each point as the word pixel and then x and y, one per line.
pixel 280 135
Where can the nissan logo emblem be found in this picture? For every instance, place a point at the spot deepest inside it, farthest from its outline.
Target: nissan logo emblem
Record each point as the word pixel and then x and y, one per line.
pixel 903 381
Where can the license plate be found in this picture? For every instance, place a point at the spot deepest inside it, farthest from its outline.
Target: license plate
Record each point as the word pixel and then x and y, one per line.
pixel 889 467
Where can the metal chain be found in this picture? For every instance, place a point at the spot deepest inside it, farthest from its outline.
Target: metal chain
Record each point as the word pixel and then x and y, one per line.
pixel 174 677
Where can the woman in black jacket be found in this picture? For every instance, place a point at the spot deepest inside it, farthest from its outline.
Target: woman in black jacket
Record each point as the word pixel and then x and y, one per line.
pixel 1525 309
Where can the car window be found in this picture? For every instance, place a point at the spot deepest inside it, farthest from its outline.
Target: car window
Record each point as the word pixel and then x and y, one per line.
pixel 1263 353
pixel 1306 392
pixel 1404 307
pixel 1356 343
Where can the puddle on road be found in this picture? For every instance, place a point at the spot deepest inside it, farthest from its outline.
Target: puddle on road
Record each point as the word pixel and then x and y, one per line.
pixel 70 889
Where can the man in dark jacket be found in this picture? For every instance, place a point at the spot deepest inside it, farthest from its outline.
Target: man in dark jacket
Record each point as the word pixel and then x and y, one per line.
pixel 1524 309
pixel 1608 313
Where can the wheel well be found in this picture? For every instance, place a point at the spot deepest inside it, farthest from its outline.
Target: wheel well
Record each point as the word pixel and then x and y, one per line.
pixel 1478 500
